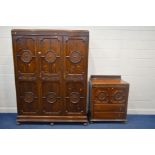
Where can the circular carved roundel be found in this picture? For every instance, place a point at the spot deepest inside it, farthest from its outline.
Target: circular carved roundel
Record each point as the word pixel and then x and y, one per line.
pixel 28 97
pixel 26 56
pixel 51 97
pixel 102 96
pixel 50 56
pixel 119 95
pixel 75 57
pixel 74 97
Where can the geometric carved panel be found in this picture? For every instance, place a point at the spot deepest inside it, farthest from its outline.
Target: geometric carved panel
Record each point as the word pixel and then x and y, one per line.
pixel 103 96
pixel 26 56
pixel 50 56
pixel 51 97
pixel 50 77
pixel 28 97
pixel 75 57
pixel 74 97
pixel 118 96
pixel 75 77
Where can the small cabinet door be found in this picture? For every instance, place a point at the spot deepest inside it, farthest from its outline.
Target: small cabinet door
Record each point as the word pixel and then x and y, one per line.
pixel 119 95
pixel 75 74
pixel 26 74
pixel 51 74
pixel 110 94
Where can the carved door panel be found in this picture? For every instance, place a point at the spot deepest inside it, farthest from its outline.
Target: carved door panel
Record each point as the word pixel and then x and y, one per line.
pixel 26 71
pixel 109 95
pixel 118 95
pixel 101 95
pixel 50 64
pixel 75 73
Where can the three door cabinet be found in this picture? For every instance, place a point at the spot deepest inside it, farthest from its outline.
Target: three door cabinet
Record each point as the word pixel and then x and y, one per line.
pixel 108 98
pixel 51 75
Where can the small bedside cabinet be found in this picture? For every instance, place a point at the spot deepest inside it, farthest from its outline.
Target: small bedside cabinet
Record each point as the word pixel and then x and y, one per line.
pixel 108 98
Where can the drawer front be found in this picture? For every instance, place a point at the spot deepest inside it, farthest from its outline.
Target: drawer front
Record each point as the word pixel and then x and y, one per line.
pixel 109 115
pixel 109 108
pixel 110 95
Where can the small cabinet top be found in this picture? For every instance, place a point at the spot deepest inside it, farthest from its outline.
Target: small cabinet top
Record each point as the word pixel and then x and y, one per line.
pixel 107 79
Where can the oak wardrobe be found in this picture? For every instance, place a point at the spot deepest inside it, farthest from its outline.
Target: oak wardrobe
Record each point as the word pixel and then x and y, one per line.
pixel 51 75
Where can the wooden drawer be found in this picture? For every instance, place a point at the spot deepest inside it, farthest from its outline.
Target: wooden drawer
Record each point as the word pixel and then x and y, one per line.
pixel 109 108
pixel 108 115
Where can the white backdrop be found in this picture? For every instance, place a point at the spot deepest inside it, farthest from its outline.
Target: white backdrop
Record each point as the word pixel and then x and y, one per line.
pixel 126 51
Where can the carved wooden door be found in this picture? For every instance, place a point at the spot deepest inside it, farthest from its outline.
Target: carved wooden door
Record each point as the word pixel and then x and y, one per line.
pixel 75 73
pixel 26 74
pixel 51 73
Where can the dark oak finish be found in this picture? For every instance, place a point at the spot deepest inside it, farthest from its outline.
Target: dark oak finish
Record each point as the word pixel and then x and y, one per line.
pixel 108 98
pixel 51 75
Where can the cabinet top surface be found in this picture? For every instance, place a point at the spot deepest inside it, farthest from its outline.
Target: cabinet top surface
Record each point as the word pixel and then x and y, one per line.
pixel 107 80
pixel 48 32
